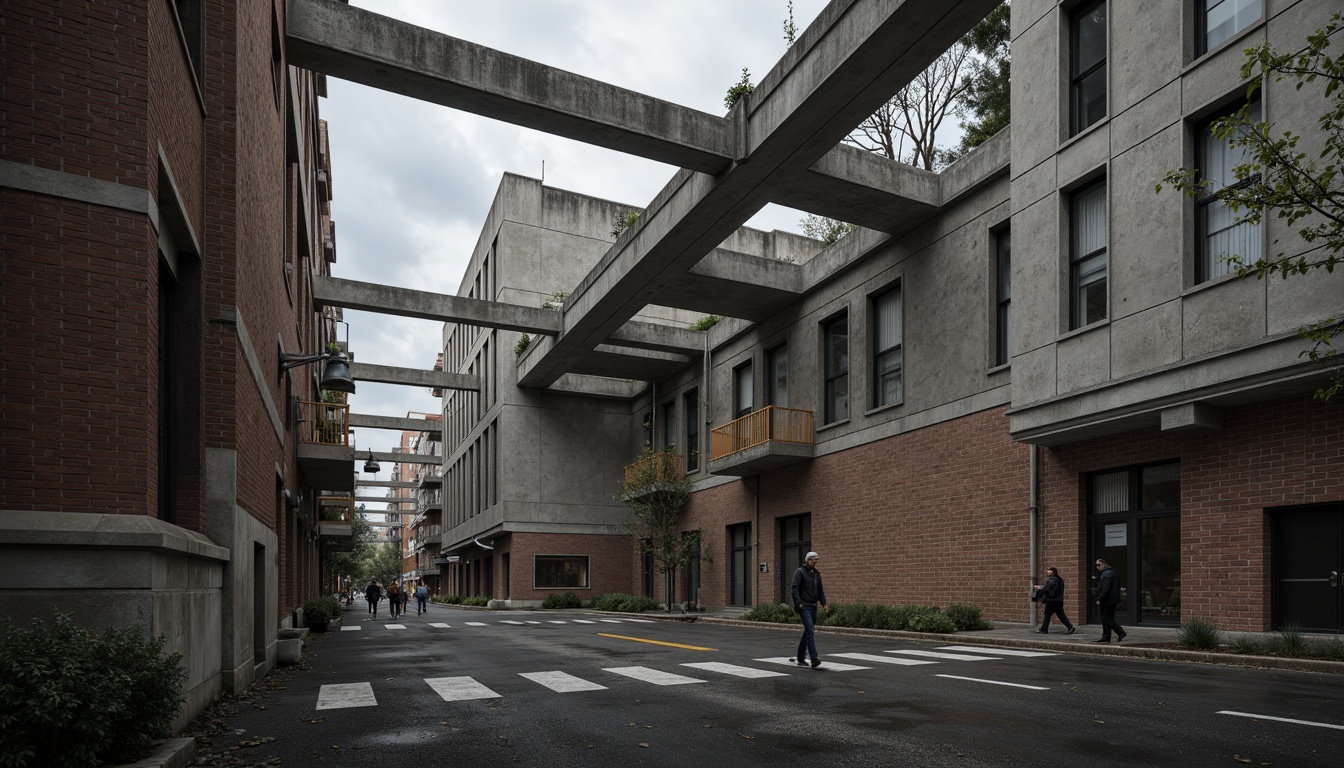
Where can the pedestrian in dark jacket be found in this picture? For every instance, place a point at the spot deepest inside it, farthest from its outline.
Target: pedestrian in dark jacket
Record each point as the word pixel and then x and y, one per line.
pixel 393 599
pixel 807 595
pixel 1052 597
pixel 1107 594
pixel 421 595
pixel 373 593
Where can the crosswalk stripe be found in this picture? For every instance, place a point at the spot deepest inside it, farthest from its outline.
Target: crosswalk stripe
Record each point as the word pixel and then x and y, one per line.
pixel 350 629
pixel 553 621
pixel 642 621
pixel 829 666
pixel 562 682
pixel 460 689
pixel 584 621
pixel 882 659
pixel 476 624
pixel 996 651
pixel 346 695
pixel 610 621
pixel 952 656
pixel 995 682
pixel 439 625
pixel 654 676
pixel 394 626
pixel 509 621
pixel 733 669
pixel 534 622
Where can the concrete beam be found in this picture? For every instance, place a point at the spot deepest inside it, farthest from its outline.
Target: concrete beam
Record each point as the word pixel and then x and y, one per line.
pixel 408 302
pixel 860 187
pixel 384 500
pixel 386 484
pixel 414 377
pixel 659 338
pixel 361 46
pixel 399 423
pixel 848 62
pixel 396 458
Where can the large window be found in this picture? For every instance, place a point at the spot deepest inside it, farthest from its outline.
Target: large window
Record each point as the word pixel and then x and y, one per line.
pixel 743 387
pixel 1087 256
pixel 1003 296
pixel 560 572
pixel 777 376
pixel 1219 20
pixel 1134 521
pixel 691 406
pixel 835 334
pixel 887 359
pixel 795 540
pixel 1223 238
pixel 1088 71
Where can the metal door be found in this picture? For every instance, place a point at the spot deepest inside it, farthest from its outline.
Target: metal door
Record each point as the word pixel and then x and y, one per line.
pixel 1308 551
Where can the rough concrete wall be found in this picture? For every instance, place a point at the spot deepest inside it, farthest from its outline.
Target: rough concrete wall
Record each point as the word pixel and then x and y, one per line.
pixel 1283 453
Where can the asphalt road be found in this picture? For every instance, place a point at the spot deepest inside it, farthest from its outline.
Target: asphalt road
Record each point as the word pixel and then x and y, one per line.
pixel 456 694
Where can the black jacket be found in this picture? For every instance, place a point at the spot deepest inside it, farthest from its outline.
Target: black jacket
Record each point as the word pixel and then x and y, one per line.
pixel 1052 591
pixel 1108 587
pixel 807 589
pixel 374 593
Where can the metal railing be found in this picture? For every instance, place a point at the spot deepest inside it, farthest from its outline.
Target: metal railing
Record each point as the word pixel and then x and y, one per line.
pixel 325 423
pixel 772 423
pixel 666 467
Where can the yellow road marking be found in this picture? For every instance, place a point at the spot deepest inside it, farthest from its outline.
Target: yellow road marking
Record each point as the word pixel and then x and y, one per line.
pixel 656 642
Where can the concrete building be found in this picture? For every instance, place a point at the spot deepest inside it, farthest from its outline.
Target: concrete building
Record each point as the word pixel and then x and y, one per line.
pixel 164 186
pixel 936 415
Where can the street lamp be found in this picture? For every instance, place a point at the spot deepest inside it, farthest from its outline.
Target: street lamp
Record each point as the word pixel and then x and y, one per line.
pixel 371 466
pixel 335 374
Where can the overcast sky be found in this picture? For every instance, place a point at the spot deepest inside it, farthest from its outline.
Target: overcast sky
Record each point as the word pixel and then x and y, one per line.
pixel 412 181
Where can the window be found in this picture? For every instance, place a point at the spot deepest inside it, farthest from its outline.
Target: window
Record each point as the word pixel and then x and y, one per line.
pixel 743 386
pixel 1087 256
pixel 887 348
pixel 191 24
pixel 1088 75
pixel 1223 238
pixel 692 410
pixel 669 422
pixel 1003 296
pixel 560 572
pixel 777 376
pixel 835 335
pixel 795 541
pixel 1219 20
pixel 1134 522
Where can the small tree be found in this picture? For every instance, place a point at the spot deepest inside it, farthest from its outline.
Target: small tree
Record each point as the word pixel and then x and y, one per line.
pixel 986 105
pixel 828 231
pixel 739 89
pixel 656 489
pixel 1280 178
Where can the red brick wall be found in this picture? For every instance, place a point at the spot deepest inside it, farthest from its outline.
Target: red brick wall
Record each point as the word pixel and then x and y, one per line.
pixel 1283 453
pixel 934 516
pixel 608 559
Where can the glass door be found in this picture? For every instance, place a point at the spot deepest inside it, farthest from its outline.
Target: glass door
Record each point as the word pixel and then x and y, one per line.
pixel 1135 525
pixel 795 540
pixel 739 564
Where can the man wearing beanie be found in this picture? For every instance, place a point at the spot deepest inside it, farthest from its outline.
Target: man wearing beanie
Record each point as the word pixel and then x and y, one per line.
pixel 807 594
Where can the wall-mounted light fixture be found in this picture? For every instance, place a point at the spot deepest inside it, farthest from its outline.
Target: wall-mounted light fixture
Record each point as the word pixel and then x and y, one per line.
pixel 371 466
pixel 335 374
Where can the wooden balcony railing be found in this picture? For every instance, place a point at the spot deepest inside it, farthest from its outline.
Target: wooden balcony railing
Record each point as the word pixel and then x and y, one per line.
pixel 336 509
pixel 325 423
pixel 658 468
pixel 782 425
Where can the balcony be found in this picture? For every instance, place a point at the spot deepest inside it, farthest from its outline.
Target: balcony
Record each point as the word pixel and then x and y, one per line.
pixel 429 475
pixel 335 525
pixel 653 473
pixel 767 439
pixel 325 456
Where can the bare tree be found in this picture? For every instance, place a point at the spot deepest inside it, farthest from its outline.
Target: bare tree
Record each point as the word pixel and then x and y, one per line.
pixel 905 128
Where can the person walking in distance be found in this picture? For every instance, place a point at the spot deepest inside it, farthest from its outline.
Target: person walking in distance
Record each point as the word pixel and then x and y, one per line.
pixel 373 593
pixel 421 595
pixel 808 593
pixel 1107 594
pixel 405 597
pixel 1052 597
pixel 393 599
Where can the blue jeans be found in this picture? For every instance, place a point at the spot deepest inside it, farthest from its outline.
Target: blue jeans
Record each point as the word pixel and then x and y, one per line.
pixel 420 605
pixel 809 641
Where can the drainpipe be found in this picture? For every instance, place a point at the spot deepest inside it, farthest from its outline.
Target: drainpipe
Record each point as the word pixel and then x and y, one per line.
pixel 756 536
pixel 1034 526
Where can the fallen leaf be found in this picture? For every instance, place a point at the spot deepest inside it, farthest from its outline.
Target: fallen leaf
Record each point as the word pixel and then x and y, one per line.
pixel 644 744
pixel 335 746
pixel 632 725
pixel 1103 722
pixel 318 720
pixel 745 736
pixel 1241 759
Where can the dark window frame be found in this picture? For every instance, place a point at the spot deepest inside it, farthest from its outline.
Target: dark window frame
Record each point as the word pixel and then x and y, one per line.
pixel 831 379
pixel 1077 76
pixel 896 350
pixel 691 407
pixel 1204 268
pixel 747 370
pixel 587 571
pixel 1202 26
pixel 1003 295
pixel 772 384
pixel 1078 309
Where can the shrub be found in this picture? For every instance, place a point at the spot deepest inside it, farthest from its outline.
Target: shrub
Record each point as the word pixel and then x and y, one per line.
pixel 562 600
pixel 967 618
pixel 71 698
pixel 1199 635
pixel 1247 646
pixel 931 621
pixel 520 346
pixel 447 599
pixel 705 323
pixel 321 611
pixel 479 601
pixel 617 601
pixel 1289 642
pixel 776 613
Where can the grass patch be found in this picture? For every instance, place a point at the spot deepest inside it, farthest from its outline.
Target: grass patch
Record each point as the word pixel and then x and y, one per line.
pixel 1199 635
pixel 623 603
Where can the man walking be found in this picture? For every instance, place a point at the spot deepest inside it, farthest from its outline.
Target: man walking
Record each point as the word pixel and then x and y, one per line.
pixel 807 595
pixel 421 595
pixel 373 594
pixel 1108 597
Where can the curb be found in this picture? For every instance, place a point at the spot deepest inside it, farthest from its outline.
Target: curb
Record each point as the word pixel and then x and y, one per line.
pixel 173 753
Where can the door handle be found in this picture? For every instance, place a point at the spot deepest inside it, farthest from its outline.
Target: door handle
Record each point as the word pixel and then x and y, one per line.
pixel 1334 578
